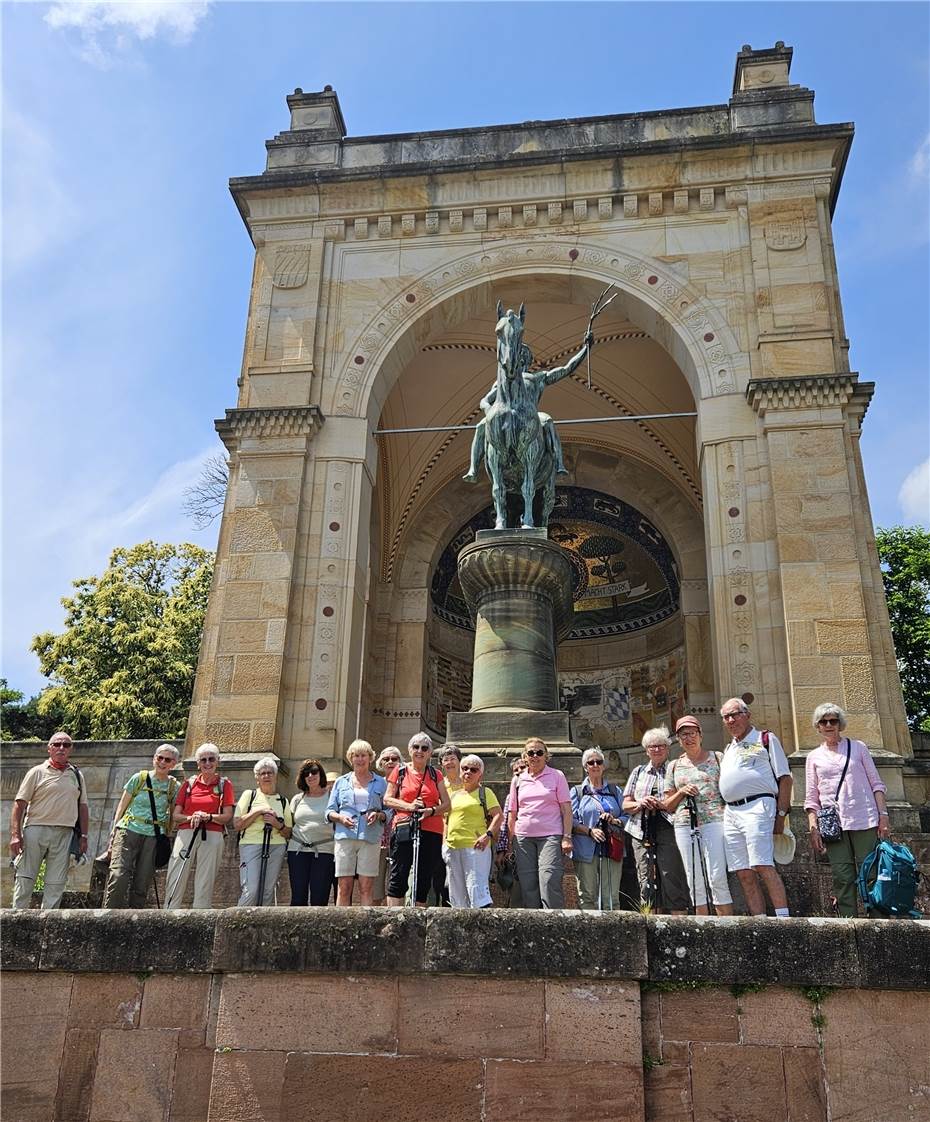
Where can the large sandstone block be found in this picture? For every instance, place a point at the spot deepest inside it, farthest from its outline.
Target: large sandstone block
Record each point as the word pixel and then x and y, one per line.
pixel 134 1086
pixel 700 1015
pixel 105 1001
pixel 35 1017
pixel 738 1083
pixel 593 1017
pixel 556 1090
pixel 246 1087
pixel 777 1015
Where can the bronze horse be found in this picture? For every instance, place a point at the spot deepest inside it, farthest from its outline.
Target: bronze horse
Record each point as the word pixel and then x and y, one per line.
pixel 520 445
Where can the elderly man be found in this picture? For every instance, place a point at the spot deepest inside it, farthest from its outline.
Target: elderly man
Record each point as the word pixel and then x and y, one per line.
pixel 53 798
pixel 755 784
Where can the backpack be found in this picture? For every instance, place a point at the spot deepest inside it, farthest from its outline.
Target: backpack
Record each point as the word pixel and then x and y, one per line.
pixel 252 794
pixel 219 790
pixel 74 848
pixel 888 880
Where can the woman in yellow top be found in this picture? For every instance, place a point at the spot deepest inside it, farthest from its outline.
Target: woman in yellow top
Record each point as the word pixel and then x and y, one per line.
pixel 472 828
pixel 262 814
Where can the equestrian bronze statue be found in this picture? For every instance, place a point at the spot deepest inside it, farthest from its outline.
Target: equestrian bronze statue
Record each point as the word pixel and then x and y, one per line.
pixel 519 444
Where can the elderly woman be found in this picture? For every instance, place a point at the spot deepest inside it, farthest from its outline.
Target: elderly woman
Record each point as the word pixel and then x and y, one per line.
pixel 384 765
pixel 841 773
pixel 540 827
pixel 597 816
pixel 356 807
pixel 310 861
pixel 145 804
pixel 416 791
pixel 662 883
pixel 202 811
pixel 692 786
pixel 264 820
pixel 472 828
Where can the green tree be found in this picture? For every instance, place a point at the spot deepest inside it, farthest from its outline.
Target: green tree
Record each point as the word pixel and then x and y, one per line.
pixel 21 720
pixel 124 666
pixel 904 552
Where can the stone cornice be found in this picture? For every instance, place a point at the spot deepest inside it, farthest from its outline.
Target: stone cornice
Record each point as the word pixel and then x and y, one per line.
pixel 285 420
pixel 811 391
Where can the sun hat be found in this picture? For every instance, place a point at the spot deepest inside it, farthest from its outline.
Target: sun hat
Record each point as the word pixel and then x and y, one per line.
pixel 784 845
pixel 689 722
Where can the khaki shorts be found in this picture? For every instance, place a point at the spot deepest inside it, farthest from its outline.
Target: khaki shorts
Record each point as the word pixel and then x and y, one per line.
pixel 353 856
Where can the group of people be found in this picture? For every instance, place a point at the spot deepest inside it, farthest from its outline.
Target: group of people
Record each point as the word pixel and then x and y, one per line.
pixel 421 831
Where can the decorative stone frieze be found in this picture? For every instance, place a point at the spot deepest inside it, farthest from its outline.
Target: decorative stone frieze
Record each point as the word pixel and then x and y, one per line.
pixel 767 394
pixel 238 424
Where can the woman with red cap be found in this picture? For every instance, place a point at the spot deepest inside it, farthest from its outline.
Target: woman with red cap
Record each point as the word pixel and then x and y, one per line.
pixel 693 797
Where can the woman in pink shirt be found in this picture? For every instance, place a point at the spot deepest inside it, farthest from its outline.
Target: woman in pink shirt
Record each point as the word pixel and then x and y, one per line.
pixel 540 827
pixel 841 773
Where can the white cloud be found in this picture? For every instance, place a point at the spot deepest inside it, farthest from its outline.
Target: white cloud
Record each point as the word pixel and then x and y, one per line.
pixel 914 495
pixel 39 213
pixel 920 161
pixel 109 28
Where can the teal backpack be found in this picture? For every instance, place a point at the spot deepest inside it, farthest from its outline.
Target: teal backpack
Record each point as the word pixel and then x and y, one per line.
pixel 888 880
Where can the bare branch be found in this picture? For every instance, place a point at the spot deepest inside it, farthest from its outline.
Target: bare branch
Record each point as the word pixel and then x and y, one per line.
pixel 203 500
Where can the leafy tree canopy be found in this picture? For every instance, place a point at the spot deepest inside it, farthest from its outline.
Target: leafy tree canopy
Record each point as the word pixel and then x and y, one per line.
pixel 124 666
pixel 905 556
pixel 21 719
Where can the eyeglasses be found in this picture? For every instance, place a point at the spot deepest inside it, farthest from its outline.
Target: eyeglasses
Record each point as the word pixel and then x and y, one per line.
pixel 469 767
pixel 62 744
pixel 266 775
pixel 207 759
pixel 164 759
pixel 829 721
pixel 657 748
pixel 731 716
pixel 535 752
pixel 594 763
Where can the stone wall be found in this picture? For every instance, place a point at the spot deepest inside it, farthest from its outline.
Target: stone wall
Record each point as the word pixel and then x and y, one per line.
pixel 365 1013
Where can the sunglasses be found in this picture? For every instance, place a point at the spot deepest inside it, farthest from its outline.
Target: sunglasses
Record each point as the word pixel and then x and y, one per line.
pixel 535 752
pixel 164 759
pixel 829 721
pixel 594 763
pixel 62 744
pixel 418 748
pixel 206 759
pixel 469 767
pixel 313 771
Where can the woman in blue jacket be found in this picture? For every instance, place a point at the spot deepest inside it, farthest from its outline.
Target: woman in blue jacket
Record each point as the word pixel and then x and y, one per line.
pixel 597 841
pixel 356 809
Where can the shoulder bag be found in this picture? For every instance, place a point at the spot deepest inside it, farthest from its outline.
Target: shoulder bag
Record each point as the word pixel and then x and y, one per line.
pixel 828 819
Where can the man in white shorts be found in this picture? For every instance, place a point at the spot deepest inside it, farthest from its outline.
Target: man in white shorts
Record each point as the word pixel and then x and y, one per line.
pixel 755 783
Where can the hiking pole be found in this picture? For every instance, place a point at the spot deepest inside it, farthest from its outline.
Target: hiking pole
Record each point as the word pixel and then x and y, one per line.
pixel 183 856
pixel 697 842
pixel 263 860
pixel 610 891
pixel 650 889
pixel 415 832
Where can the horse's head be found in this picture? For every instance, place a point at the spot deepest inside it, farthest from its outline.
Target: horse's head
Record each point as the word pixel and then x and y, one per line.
pixel 510 339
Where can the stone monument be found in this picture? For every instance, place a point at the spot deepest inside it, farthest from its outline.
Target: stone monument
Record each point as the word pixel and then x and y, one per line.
pixel 518 583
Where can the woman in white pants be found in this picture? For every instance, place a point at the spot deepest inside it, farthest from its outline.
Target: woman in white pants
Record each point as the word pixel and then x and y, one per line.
pixel 472 827
pixel 693 778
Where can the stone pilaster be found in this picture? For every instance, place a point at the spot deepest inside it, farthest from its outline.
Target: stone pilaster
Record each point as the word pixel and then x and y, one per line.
pixel 238 688
pixel 828 570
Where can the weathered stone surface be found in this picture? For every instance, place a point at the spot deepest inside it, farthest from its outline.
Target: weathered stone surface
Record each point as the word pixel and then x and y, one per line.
pixel 323 940
pixel 190 1101
pixel 804 1089
pixel 556 1090
pixel 667 1092
pixel 34 1016
pixel 177 1001
pixel 76 1078
pixel 777 1016
pixel 738 1083
pixel 707 1014
pixel 752 949
pixel 541 944
pixel 105 1001
pixel 21 940
pixel 130 941
pixel 479 1017
pixel 134 1085
pixel 876 1052
pixel 338 1013
pixel 246 1087
pixel 592 1018
pixel 369 1089
pixel 892 953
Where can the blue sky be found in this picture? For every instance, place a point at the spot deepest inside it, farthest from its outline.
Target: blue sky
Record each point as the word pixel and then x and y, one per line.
pixel 126 267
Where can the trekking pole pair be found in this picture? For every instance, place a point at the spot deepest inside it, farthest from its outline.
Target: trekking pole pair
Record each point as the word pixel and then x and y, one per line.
pixel 697 844
pixel 603 854
pixel 183 858
pixel 415 837
pixel 263 859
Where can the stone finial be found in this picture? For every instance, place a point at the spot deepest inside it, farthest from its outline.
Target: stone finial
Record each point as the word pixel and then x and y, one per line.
pixel 762 69
pixel 318 113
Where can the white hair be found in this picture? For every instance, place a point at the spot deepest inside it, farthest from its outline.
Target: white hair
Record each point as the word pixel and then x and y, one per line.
pixel 379 765
pixel 168 748
pixel 828 709
pixel 590 753
pixel 743 707
pixel 420 740
pixel 265 762
pixel 207 748
pixel 659 735
pixel 473 761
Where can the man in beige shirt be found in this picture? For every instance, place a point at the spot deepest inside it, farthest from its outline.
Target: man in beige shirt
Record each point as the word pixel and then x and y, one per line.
pixel 52 797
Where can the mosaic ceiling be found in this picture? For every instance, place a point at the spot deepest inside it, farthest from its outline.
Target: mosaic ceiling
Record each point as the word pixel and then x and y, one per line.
pixel 625 577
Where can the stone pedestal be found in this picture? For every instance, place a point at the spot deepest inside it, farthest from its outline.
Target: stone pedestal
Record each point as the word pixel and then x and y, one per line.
pixel 518 584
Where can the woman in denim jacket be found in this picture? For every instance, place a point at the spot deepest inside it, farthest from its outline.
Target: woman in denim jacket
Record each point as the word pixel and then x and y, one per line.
pixel 596 807
pixel 356 809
